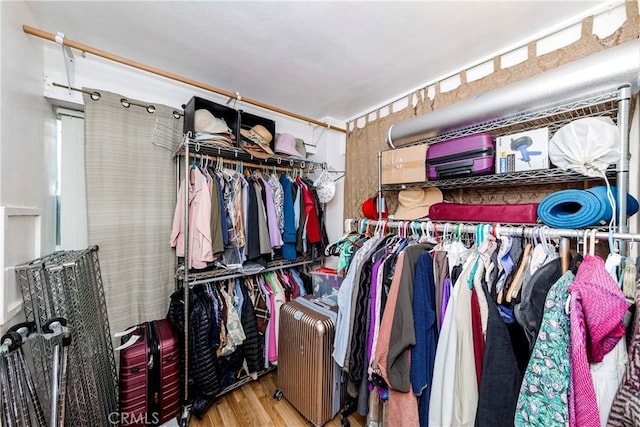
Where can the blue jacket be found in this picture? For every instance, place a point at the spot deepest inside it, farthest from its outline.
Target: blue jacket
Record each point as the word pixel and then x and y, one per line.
pixel 423 354
pixel 289 233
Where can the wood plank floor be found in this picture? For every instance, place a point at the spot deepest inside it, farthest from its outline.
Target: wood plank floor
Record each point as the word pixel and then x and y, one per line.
pixel 253 405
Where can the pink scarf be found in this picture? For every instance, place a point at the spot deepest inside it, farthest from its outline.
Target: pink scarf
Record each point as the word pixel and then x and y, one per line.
pixel 597 308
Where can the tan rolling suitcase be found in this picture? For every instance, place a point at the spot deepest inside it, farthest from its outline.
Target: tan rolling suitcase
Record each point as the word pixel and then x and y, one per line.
pixel 308 377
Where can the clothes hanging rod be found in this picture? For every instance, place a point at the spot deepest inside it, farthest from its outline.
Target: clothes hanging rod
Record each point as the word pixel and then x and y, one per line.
pixel 195 283
pixel 172 76
pixel 252 165
pixel 510 230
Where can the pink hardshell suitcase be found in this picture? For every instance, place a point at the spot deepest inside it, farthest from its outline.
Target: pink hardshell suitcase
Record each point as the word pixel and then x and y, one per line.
pixel 465 156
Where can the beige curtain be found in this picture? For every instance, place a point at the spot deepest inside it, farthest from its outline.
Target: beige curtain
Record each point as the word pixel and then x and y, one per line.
pixel 363 143
pixel 131 195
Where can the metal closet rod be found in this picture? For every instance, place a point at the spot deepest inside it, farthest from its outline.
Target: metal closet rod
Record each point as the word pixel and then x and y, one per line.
pixel 195 283
pixel 140 66
pixel 511 230
pixel 263 166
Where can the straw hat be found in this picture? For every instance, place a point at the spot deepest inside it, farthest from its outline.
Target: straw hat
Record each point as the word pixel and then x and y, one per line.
pixel 258 135
pixel 413 203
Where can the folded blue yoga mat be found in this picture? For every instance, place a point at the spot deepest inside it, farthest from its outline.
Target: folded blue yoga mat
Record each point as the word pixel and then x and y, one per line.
pixel 580 208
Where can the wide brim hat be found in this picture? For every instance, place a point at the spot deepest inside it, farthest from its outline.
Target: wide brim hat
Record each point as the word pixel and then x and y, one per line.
pixel 258 135
pixel 255 150
pixel 414 203
pixel 286 144
pixel 225 140
pixel 206 122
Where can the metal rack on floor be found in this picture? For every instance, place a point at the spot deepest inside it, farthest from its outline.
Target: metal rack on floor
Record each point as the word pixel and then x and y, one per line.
pixel 68 284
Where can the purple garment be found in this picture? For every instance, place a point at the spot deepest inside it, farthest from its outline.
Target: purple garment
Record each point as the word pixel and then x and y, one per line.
pixel 272 217
pixel 446 293
pixel 374 293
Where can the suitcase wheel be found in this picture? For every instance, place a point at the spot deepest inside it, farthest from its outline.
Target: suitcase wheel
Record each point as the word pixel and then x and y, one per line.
pixel 277 394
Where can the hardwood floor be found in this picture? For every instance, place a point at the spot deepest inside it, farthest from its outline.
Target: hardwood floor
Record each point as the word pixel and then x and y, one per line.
pixel 253 405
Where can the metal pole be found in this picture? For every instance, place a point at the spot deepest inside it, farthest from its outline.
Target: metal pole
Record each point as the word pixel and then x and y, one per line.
pixel 65 339
pixel 53 416
pixel 565 254
pixel 37 408
pixel 380 198
pixel 622 173
pixel 185 284
pixel 512 230
pixel 9 419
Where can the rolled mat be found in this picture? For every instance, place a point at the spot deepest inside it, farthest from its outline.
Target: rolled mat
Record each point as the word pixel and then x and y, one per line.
pixel 580 208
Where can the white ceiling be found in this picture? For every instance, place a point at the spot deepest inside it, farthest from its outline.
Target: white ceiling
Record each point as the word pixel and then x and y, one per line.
pixel 319 59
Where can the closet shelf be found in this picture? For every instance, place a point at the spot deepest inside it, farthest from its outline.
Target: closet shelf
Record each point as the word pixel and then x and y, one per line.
pixel 235 153
pixel 553 117
pixel 540 176
pixel 223 274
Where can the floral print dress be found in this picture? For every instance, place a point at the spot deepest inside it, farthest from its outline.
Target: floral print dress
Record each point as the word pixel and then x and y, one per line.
pixel 543 399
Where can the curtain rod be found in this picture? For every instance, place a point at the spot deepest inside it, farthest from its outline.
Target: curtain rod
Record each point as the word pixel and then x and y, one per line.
pixel 95 95
pixel 112 57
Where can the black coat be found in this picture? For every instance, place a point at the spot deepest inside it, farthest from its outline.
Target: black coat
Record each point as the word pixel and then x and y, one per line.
pixel 204 383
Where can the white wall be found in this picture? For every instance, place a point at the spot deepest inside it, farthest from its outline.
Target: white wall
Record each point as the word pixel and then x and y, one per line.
pixel 27 149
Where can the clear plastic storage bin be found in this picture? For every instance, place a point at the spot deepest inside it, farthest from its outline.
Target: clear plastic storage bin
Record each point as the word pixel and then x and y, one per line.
pixel 326 282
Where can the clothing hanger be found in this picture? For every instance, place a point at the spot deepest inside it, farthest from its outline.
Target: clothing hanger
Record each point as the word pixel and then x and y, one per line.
pixel 516 283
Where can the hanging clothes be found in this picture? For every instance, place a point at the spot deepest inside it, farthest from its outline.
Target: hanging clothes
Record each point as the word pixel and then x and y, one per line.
pixel 426 331
pixel 529 310
pixel 596 311
pixel 498 391
pixel 263 226
pixel 289 233
pixel 403 335
pixel 544 394
pixel 402 406
pixel 442 386
pixel 625 410
pixel 252 224
pixel 200 243
pixel 275 238
pixel 441 272
pixel 346 292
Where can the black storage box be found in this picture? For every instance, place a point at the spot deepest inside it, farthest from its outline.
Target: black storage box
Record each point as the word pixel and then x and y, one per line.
pixel 248 120
pixel 230 115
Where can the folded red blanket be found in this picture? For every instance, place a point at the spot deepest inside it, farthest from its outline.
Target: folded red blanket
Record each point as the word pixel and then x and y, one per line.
pixel 526 213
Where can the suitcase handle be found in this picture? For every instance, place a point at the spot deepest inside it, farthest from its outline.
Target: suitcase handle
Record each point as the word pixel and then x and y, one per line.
pixel 464 167
pixel 126 332
pixel 132 340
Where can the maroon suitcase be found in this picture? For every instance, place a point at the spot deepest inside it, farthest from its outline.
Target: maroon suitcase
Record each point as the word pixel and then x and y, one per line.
pixel 465 156
pixel 150 376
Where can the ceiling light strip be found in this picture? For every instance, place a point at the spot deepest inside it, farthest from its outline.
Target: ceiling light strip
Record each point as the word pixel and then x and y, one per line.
pixel 110 56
